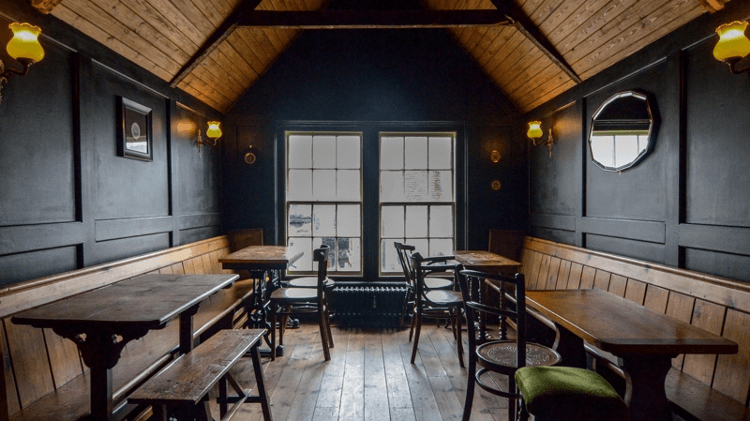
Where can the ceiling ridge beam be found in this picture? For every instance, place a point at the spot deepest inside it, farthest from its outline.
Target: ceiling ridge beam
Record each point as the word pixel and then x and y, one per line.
pixel 217 37
pixel 526 26
pixel 373 19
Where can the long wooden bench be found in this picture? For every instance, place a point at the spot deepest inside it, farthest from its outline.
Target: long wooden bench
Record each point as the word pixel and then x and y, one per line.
pixel 703 387
pixel 183 387
pixel 42 376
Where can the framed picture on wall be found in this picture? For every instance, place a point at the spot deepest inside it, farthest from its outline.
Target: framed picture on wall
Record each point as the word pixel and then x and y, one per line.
pixel 134 135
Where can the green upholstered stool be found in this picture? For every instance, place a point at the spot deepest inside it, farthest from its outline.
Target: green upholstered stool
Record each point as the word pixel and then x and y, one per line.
pixel 566 393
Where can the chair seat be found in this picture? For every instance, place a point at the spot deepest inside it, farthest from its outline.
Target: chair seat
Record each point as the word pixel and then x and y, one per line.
pixel 292 295
pixel 501 355
pixel 438 283
pixel 444 297
pixel 309 282
pixel 567 393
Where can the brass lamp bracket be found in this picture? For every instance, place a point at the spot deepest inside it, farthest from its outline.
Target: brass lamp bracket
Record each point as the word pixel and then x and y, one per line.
pixel 549 142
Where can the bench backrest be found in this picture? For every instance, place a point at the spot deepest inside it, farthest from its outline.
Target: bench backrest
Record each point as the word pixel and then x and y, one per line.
pixel 715 304
pixel 37 361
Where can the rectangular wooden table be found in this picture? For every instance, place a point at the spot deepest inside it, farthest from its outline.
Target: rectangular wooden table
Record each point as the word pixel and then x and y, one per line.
pixel 266 261
pixel 103 321
pixel 643 340
pixel 488 262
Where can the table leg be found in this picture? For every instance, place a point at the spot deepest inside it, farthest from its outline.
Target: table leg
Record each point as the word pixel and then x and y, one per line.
pixel 644 393
pixel 570 348
pixel 186 329
pixel 100 388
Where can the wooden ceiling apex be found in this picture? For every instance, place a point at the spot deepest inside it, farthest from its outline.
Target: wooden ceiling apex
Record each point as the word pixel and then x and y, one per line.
pixel 44 6
pixel 714 5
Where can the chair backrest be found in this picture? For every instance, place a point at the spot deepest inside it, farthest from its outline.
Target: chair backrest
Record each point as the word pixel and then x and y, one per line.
pixel 239 239
pixel 320 255
pixel 404 252
pixel 505 309
pixel 507 243
pixel 421 267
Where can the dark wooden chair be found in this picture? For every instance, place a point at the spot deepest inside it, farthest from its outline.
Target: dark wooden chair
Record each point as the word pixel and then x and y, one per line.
pixel 502 356
pixel 404 252
pixel 286 302
pixel 434 301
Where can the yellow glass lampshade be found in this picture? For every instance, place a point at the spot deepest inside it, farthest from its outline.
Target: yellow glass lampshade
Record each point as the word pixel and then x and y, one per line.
pixel 733 43
pixel 535 130
pixel 25 42
pixel 214 132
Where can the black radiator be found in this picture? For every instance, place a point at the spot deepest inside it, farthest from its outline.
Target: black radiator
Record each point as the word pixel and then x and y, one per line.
pixel 368 306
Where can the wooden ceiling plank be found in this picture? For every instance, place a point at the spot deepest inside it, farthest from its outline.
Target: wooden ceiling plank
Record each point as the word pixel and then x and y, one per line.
pixel 512 60
pixel 530 30
pixel 527 87
pixel 467 5
pixel 228 49
pixel 246 51
pixel 489 37
pixel 45 6
pixel 219 35
pixel 635 39
pixel 209 11
pixel 114 28
pixel 515 40
pixel 197 92
pixel 195 16
pixel 519 74
pixel 548 96
pixel 160 24
pixel 542 88
pixel 553 13
pixel 594 23
pixel 631 20
pixel 68 16
pixel 208 84
pixel 125 15
pixel 221 77
pixel 259 43
pixel 504 35
pixel 280 38
pixel 224 64
pixel 369 19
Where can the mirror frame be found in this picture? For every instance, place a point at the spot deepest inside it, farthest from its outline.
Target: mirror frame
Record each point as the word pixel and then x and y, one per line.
pixel 652 131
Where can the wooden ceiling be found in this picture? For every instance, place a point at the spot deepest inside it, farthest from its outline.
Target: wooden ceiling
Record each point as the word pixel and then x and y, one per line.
pixel 203 47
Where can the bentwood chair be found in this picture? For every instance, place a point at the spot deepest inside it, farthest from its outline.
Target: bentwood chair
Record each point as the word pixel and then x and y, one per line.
pixel 286 302
pixel 404 251
pixel 431 301
pixel 502 356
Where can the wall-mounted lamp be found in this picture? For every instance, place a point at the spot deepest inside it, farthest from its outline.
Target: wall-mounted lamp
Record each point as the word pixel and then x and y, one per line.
pixel 535 133
pixel 213 133
pixel 24 47
pixel 733 47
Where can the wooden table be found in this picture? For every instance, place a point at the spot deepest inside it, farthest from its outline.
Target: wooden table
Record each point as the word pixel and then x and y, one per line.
pixel 644 341
pixel 262 260
pixel 488 262
pixel 103 321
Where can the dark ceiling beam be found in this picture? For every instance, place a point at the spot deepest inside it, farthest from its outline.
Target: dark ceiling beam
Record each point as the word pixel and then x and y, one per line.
pixel 217 37
pixel 527 27
pixel 374 19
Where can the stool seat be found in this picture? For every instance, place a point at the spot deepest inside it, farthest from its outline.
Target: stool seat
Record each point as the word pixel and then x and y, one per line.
pixel 501 355
pixel 567 394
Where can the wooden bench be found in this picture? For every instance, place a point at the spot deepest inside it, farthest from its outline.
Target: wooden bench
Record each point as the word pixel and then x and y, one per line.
pixel 182 389
pixel 703 387
pixel 42 376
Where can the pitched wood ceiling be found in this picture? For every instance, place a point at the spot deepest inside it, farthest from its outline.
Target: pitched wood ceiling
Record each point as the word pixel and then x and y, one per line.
pixel 162 36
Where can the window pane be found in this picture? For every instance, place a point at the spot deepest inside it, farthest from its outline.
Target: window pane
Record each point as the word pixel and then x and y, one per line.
pixel 391 186
pixel 415 185
pixel 300 220
pixel 331 243
pixel 441 221
pixel 347 221
pixel 324 152
pixel 300 185
pixel 441 186
pixel 304 245
pixel 416 221
pixel 602 150
pixel 324 220
pixel 421 245
pixel 324 185
pixel 626 149
pixel 415 153
pixel 347 185
pixel 389 260
pixel 347 154
pixel 441 247
pixel 349 255
pixel 441 153
pixel 300 151
pixel 392 222
pixel 391 153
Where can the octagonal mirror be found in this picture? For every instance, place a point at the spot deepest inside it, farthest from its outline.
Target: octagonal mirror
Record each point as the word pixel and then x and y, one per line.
pixel 623 131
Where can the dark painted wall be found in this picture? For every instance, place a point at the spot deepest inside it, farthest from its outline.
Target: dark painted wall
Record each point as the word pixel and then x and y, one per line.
pixel 688 203
pixel 67 200
pixel 373 77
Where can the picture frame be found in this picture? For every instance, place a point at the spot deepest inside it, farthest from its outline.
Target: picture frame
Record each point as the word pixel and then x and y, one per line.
pixel 134 132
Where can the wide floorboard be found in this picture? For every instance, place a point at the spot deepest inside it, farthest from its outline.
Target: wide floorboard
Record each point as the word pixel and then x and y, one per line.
pixel 368 378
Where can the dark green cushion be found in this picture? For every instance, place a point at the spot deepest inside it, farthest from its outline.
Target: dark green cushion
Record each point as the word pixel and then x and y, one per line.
pixel 566 393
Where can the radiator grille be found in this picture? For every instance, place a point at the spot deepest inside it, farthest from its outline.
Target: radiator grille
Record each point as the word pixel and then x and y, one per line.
pixel 379 306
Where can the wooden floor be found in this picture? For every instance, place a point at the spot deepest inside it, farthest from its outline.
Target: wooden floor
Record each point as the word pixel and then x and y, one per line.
pixel 369 377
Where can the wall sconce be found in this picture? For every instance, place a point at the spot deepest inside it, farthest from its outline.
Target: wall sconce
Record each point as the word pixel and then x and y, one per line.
pixel 24 47
pixel 733 47
pixel 535 133
pixel 213 133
